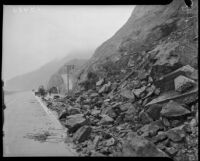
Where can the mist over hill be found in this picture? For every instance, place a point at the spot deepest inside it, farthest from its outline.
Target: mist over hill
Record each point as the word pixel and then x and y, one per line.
pixel 41 76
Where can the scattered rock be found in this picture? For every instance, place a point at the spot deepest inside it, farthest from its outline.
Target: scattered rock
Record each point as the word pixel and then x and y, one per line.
pixel 154 111
pixel 165 122
pixel 150 90
pixel 95 112
pixel 144 117
pixel 110 142
pixel 100 82
pixel 96 141
pixel 63 114
pixel 171 151
pixel 106 120
pixel 73 111
pixel 176 134
pixel 126 106
pixel 82 134
pixel 129 115
pixel 105 88
pixel 94 95
pixel 139 91
pixel 160 137
pixel 127 94
pixel 155 127
pixel 193 122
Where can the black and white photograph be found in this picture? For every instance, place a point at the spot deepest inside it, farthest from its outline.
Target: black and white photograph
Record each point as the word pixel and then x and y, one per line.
pixel 100 80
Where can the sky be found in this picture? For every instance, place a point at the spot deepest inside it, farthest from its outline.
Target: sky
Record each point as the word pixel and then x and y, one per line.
pixel 35 35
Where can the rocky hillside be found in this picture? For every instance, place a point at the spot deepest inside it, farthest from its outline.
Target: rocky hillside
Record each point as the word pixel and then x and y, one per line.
pixel 138 94
pixel 168 31
pixel 56 80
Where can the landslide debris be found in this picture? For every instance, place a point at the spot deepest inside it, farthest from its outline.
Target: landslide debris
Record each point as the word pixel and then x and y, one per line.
pixel 138 95
pixel 118 122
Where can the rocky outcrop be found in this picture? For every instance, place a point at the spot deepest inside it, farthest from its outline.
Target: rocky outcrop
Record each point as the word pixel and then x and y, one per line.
pixel 167 32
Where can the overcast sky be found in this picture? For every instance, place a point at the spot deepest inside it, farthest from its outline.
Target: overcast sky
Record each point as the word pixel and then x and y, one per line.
pixel 35 35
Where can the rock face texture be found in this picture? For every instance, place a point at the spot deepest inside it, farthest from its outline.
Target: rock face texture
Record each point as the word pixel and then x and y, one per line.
pixel 166 31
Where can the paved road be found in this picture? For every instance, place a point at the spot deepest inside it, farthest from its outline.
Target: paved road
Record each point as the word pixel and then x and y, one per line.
pixel 25 117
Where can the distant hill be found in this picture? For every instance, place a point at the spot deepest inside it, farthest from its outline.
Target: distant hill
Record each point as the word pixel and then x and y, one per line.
pixel 41 76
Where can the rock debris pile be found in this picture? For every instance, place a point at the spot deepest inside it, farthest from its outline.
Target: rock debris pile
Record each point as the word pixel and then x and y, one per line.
pixel 139 115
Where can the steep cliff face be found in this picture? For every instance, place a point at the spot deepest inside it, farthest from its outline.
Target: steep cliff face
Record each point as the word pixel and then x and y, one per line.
pixel 168 32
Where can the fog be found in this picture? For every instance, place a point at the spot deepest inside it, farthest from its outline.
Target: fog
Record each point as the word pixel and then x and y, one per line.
pixel 35 35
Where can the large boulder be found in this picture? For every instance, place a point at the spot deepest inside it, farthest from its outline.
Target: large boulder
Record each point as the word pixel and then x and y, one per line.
pixel 183 84
pixel 176 134
pixel 74 122
pixel 127 94
pixel 154 111
pixel 63 114
pixel 174 109
pixel 137 146
pixel 82 134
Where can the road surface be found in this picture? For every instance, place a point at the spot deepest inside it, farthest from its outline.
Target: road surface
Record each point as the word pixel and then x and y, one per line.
pixel 25 117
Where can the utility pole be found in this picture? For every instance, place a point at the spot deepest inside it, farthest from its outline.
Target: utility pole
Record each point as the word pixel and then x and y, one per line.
pixel 68 79
pixel 69 68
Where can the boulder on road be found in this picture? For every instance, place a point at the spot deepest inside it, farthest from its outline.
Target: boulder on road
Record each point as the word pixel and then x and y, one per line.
pixel 74 122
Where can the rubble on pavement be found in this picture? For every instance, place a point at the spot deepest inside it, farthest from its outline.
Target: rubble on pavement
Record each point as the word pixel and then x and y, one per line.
pixel 122 121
